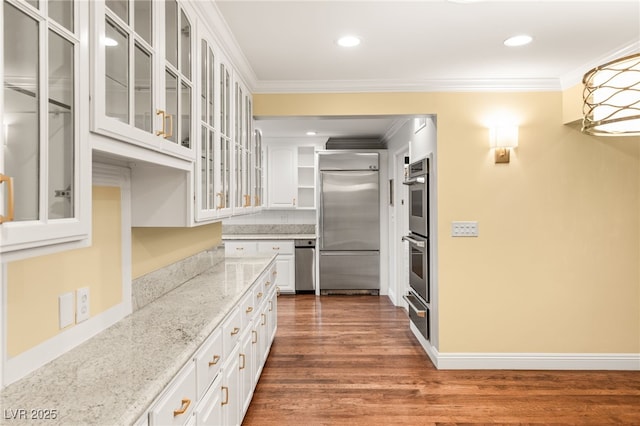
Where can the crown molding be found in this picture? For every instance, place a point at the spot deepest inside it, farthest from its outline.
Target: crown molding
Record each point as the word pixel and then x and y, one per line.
pixel 220 30
pixel 444 85
pixel 574 77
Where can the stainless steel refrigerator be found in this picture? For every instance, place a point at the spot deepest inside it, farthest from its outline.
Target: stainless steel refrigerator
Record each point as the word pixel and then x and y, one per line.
pixel 349 222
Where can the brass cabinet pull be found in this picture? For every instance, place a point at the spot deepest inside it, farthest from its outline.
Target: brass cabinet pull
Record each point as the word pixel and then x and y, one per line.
pixel 264 318
pixel 270 306
pixel 247 201
pixel 267 284
pixel 164 115
pixel 186 402
pixel 257 201
pixel 235 331
pixel 294 201
pixel 259 295
pixel 249 309
pixel 167 136
pixel 239 248
pixel 275 248
pixel 220 204
pixel 226 395
pixel 275 272
pixel 277 291
pixel 255 335
pixel 243 362
pixel 10 207
pixel 215 360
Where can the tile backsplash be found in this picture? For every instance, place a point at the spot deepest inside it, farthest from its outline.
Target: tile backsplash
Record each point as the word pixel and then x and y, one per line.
pixel 275 217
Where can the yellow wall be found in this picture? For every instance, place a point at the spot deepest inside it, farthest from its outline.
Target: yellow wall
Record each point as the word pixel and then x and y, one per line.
pixel 33 285
pixel 153 248
pixel 555 267
pixel 572 104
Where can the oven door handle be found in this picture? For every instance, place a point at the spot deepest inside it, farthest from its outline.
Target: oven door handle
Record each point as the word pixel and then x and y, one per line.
pixel 414 181
pixel 421 313
pixel 413 241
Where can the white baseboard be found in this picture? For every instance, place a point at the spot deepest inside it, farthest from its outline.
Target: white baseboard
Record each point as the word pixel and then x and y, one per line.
pixel 528 361
pixel 19 366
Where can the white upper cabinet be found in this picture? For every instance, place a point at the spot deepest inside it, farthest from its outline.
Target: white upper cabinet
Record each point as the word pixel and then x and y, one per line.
pixel 283 177
pixel 44 159
pixel 143 74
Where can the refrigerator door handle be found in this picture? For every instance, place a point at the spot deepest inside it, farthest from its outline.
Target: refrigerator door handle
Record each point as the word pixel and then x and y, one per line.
pixel 320 215
pixel 349 253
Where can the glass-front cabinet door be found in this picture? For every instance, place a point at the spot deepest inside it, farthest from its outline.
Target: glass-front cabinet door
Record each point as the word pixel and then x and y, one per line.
pixel 213 160
pixel 244 200
pixel 142 90
pixel 44 179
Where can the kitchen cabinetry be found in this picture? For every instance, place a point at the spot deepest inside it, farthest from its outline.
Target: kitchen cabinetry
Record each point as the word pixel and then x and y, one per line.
pixel 215 387
pixel 44 161
pixel 143 72
pixel 286 264
pixel 291 176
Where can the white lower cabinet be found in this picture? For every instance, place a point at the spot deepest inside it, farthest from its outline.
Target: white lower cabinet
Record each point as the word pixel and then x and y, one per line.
pixel 286 261
pixel 216 386
pixel 176 404
pixel 209 409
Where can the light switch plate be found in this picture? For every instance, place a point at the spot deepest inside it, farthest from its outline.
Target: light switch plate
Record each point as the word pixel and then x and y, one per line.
pixel 82 304
pixel 464 229
pixel 65 309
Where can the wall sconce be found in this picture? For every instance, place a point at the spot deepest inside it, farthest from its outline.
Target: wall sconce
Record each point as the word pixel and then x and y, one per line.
pixel 612 98
pixel 502 139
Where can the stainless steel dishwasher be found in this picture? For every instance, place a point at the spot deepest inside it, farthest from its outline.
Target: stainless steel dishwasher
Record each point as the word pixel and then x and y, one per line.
pixel 305 266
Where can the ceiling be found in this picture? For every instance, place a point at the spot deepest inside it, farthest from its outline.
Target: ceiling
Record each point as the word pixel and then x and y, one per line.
pixel 426 45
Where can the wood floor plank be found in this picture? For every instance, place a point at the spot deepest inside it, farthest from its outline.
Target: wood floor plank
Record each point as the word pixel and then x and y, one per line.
pixel 351 360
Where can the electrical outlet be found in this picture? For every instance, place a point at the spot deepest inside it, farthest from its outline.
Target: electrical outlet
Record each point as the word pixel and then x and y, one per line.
pixel 464 229
pixel 82 304
pixel 65 309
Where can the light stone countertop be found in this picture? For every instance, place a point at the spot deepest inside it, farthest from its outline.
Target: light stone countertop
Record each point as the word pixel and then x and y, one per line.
pixel 230 237
pixel 112 378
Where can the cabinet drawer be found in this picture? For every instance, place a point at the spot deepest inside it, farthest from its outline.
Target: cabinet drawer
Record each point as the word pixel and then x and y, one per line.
pixel 259 295
pixel 231 329
pixel 276 246
pixel 248 308
pixel 240 248
pixel 178 401
pixel 208 361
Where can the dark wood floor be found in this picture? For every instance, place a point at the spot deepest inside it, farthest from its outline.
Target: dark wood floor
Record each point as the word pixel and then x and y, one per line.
pixel 352 360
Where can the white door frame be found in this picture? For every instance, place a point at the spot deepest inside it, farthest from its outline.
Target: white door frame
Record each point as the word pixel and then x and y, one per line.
pixel 399 227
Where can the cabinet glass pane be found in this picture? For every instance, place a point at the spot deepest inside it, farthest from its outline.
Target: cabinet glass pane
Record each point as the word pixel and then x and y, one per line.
pixel 142 90
pixel 211 87
pixel 142 16
pixel 21 113
pixel 61 128
pixel 225 171
pixel 171 31
pixel 204 161
pixel 120 8
pixel 171 99
pixel 116 72
pixel 210 166
pixel 33 3
pixel 61 11
pixel 185 116
pixel 185 45
pixel 204 62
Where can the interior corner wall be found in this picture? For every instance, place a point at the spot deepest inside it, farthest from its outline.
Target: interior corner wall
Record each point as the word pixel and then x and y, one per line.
pixel 33 285
pixel 154 248
pixel 555 266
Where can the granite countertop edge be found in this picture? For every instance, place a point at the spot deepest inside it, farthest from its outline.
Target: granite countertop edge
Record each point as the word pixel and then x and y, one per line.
pixel 231 237
pixel 156 351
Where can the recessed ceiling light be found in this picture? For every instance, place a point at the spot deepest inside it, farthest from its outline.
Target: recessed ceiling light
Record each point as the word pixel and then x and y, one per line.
pixel 519 40
pixel 348 41
pixel 311 133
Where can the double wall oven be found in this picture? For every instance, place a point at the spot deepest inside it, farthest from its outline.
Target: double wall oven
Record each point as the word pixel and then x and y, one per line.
pixel 419 294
